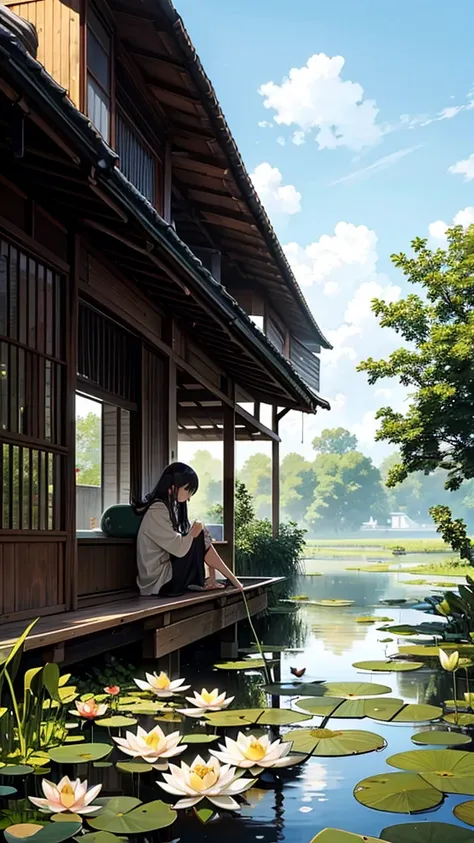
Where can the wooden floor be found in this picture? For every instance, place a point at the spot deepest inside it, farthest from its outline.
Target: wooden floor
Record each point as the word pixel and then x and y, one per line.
pixel 174 621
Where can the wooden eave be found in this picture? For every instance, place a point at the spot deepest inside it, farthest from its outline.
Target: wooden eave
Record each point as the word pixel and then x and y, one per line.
pixel 207 166
pixel 66 166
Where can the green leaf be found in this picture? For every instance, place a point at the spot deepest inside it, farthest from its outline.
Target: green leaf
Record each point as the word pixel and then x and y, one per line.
pixel 116 722
pixel 199 738
pixel 399 793
pixel 449 770
pixel 66 818
pixel 372 619
pixel 244 664
pixel 460 719
pixel 441 737
pixel 102 764
pixel 49 833
pixel 389 665
pixel 280 717
pixel 426 832
pixel 347 690
pixel 293 689
pixel 16 770
pixel 79 754
pixel 318 706
pixel 326 743
pixel 204 814
pixel 134 767
pixel 250 716
pixel 7 791
pixel 335 835
pixel 100 837
pixel 120 817
pixel 396 711
pixel 51 680
pixel 465 812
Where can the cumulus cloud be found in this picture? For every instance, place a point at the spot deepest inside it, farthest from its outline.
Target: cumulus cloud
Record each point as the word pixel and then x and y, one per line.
pixel 464 168
pixel 465 217
pixel 277 198
pixel 315 98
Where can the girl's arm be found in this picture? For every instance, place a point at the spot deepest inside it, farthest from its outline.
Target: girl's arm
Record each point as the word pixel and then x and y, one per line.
pixel 160 529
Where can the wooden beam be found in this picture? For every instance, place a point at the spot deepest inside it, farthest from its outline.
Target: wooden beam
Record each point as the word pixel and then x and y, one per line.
pixel 167 183
pixel 275 476
pixel 229 482
pixel 151 55
pixel 226 221
pixel 69 468
pixel 172 412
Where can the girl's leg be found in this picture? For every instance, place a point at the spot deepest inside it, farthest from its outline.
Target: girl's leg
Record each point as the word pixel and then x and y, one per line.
pixel 188 570
pixel 215 562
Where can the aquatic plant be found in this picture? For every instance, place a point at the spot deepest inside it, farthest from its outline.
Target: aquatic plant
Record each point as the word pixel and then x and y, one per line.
pixel 205 780
pixel 255 753
pixel 151 746
pixel 67 796
pixel 89 709
pixel 206 701
pixel 161 685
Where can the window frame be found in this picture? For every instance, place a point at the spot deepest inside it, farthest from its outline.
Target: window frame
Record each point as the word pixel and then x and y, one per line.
pixel 93 15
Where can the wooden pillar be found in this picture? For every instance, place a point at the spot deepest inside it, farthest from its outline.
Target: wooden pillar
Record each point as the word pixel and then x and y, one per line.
pixel 229 642
pixel 275 476
pixel 69 473
pixel 229 484
pixel 172 413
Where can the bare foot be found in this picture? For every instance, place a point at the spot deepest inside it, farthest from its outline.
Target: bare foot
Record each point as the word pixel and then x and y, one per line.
pixel 211 585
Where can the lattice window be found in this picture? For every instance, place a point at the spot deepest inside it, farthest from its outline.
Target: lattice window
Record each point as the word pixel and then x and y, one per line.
pixel 32 391
pixel 137 162
pixel 108 356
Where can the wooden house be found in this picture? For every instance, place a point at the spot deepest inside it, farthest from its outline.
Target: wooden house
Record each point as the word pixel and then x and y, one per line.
pixel 133 252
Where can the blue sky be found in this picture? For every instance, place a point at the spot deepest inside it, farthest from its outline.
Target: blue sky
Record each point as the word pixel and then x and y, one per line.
pixel 367 190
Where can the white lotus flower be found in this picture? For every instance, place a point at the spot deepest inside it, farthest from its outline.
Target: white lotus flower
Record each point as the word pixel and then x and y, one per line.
pixel 90 709
pixel 161 685
pixel 255 753
pixel 70 796
pixel 151 746
pixel 205 781
pixel 206 701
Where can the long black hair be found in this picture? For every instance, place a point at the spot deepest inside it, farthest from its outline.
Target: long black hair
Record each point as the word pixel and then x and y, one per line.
pixel 175 477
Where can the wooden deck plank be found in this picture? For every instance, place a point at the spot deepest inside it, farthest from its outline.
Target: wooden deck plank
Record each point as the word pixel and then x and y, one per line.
pixel 55 629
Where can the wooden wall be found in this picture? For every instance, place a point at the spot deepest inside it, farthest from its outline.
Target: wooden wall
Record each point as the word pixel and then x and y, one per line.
pixel 58 26
pixel 32 573
pixel 105 566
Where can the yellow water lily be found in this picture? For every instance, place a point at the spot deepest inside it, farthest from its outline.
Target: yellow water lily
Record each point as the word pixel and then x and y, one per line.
pixel 449 662
pixel 151 746
pixel 249 751
pixel 161 685
pixel 205 780
pixel 206 701
pixel 71 796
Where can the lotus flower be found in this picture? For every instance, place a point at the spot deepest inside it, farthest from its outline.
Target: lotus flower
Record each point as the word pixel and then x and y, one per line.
pixel 255 753
pixel 73 797
pixel 89 709
pixel 112 690
pixel 161 685
pixel 205 781
pixel 449 662
pixel 151 746
pixel 206 701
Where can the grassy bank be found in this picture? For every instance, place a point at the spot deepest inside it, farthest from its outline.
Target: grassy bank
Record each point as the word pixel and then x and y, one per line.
pixel 371 547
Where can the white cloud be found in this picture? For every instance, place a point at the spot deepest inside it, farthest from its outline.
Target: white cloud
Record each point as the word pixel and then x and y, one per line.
pixel 277 198
pixel 335 260
pixel 298 138
pixel 465 217
pixel 380 164
pixel 315 97
pixel 265 124
pixel 281 140
pixel 464 168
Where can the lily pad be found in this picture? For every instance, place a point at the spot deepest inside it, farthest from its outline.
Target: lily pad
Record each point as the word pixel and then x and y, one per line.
pixel 197 738
pixel 116 722
pixel 335 835
pixel 7 791
pixel 100 837
pixel 79 754
pixel 66 818
pixel 396 711
pixel 293 689
pixel 244 664
pixel 16 770
pixel 134 767
pixel 440 737
pixel 450 771
pixel 465 812
pixel 373 619
pixel 399 793
pixel 49 833
pixel 251 716
pixel 335 604
pixel 126 815
pixel 460 719
pixel 388 665
pixel 347 690
pixel 424 832
pixel 318 706
pixel 326 743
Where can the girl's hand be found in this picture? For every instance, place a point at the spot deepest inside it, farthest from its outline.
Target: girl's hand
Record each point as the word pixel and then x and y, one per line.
pixel 238 585
pixel 196 529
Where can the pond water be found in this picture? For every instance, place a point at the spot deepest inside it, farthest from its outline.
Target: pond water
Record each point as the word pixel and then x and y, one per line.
pixel 327 641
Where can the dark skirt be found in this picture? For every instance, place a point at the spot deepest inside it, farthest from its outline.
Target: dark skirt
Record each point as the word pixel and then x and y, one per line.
pixel 188 570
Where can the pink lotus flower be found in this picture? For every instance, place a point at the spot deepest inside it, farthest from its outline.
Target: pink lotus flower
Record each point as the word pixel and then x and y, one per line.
pixel 71 796
pixel 112 690
pixel 90 709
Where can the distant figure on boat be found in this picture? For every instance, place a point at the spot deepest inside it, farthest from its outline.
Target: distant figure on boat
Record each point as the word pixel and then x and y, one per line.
pixel 172 553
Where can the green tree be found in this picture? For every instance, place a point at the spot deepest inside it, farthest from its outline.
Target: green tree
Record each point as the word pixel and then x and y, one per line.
pixel 88 449
pixel 256 474
pixel 297 485
pixel 435 364
pixel 335 440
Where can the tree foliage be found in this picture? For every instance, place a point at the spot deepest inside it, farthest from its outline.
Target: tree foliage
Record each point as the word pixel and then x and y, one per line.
pixel 337 440
pixel 88 449
pixel 436 365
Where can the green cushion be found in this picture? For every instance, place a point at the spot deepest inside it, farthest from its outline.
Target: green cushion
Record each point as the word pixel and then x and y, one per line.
pixel 120 522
